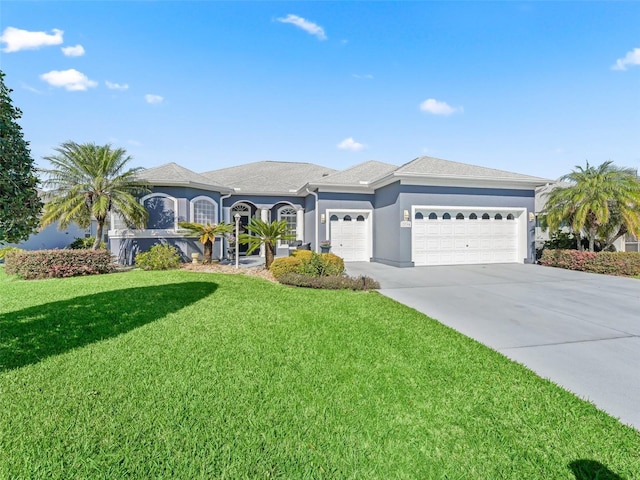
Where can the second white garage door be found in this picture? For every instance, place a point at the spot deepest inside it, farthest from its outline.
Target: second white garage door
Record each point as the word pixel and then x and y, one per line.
pixel 350 235
pixel 464 236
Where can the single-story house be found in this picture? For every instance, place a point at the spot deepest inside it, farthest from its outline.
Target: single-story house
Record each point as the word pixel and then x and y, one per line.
pixel 426 212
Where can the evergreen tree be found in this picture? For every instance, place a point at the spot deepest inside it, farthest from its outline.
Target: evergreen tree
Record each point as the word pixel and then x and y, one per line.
pixel 20 205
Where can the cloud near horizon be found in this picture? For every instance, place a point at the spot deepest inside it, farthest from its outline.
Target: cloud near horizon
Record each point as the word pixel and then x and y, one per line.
pixel 630 59
pixel 72 80
pixel 76 51
pixel 309 27
pixel 351 144
pixel 153 99
pixel 435 107
pixel 17 39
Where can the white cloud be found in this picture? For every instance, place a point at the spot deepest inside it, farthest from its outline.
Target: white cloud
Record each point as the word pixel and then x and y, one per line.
pixel 433 106
pixel 351 144
pixel 630 59
pixel 366 76
pixel 17 39
pixel 71 79
pixel 153 99
pixel 31 89
pixel 309 27
pixel 116 86
pixel 76 51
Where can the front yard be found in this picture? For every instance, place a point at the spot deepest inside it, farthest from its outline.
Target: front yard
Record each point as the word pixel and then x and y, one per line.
pixel 196 375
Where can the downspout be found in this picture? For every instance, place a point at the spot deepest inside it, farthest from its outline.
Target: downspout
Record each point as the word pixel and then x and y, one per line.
pixel 222 198
pixel 317 209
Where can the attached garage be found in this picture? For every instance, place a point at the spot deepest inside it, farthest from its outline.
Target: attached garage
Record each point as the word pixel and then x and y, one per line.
pixel 350 234
pixel 467 235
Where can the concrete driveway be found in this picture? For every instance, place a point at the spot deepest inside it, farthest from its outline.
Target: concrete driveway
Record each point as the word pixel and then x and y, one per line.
pixel 580 330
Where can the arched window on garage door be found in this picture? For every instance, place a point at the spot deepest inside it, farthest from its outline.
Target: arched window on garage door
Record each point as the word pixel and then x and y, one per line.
pixel 446 216
pixel 498 217
pixel 433 216
pixel 473 216
pixel 419 216
pixel 460 216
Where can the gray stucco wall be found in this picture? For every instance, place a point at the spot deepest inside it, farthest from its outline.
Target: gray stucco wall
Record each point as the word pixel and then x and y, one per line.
pixel 50 237
pixel 392 244
pixel 125 249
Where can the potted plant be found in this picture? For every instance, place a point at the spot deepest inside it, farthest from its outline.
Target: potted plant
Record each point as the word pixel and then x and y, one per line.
pixel 325 246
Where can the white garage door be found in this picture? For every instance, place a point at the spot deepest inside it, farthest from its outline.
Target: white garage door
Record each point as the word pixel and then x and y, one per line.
pixel 464 236
pixel 349 235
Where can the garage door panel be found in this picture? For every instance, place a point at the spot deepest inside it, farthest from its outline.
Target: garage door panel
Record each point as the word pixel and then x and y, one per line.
pixel 465 241
pixel 350 239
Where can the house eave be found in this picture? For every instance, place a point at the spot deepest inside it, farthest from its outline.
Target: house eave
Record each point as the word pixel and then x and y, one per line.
pixel 459 181
pixel 186 183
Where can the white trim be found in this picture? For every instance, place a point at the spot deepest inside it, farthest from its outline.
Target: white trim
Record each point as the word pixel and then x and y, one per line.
pixel 355 211
pixel 175 205
pixel 521 218
pixel 192 207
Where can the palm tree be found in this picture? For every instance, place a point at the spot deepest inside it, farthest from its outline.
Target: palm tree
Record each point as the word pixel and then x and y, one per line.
pixel 90 181
pixel 601 202
pixel 267 234
pixel 208 233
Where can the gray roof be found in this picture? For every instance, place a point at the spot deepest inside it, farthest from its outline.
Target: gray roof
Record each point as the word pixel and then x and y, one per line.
pixel 436 167
pixel 268 177
pixel 361 174
pixel 174 174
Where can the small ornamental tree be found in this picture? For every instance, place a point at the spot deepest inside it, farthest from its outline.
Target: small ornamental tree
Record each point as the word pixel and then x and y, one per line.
pixel 20 206
pixel 267 234
pixel 207 234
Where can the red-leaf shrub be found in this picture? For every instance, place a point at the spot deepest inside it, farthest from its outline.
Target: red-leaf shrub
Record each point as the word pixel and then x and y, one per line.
pixel 58 263
pixel 610 263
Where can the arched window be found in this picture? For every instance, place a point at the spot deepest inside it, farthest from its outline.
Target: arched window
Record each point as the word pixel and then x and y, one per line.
pixel 162 211
pixel 498 217
pixel 485 216
pixel 360 218
pixel 347 218
pixel 473 216
pixel 433 216
pixel 204 210
pixel 460 216
pixel 419 216
pixel 289 215
pixel 334 218
pixel 510 217
pixel 446 216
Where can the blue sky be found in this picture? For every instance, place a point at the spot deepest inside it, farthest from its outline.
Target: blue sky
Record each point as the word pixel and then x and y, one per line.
pixel 529 87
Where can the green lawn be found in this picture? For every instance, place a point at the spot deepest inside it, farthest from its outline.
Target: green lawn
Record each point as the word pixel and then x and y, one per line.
pixel 187 375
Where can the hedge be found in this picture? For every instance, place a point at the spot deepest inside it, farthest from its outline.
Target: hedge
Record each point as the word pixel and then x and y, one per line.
pixel 332 282
pixel 610 263
pixel 35 264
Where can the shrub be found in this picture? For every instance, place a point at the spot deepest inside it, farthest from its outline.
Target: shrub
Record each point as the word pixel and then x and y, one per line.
pixel 58 263
pixel 332 282
pixel 281 266
pixel 610 263
pixel 5 250
pixel 84 243
pixel 303 255
pixel 161 256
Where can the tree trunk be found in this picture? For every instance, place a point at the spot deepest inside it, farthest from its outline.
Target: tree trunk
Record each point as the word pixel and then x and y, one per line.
pixel 268 254
pixel 96 243
pixel 208 251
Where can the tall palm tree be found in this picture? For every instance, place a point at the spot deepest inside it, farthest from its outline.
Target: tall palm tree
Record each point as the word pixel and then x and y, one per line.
pixel 90 181
pixel 208 233
pixel 600 202
pixel 267 234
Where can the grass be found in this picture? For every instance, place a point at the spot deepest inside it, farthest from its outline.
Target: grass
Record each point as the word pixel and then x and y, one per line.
pixel 191 375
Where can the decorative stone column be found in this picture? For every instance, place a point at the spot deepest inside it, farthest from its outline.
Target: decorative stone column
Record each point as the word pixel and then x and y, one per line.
pixel 264 216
